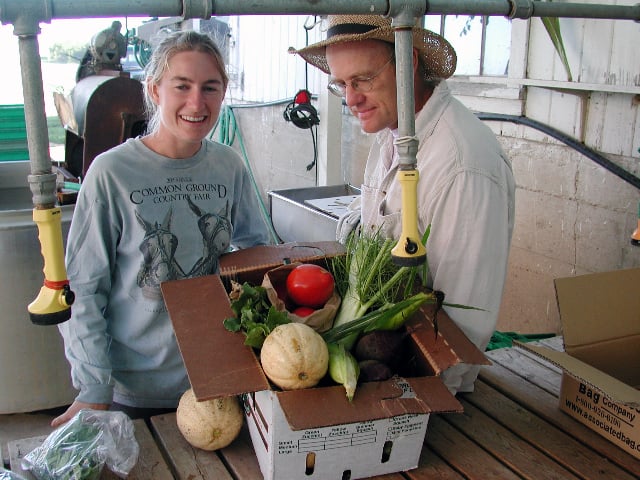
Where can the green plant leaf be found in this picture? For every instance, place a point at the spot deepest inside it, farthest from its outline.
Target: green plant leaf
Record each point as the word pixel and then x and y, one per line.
pixel 552 25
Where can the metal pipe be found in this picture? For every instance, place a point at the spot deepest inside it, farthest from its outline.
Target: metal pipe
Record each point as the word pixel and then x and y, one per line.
pixel 41 181
pixel 522 9
pixel 192 8
pixel 409 251
pixel 533 8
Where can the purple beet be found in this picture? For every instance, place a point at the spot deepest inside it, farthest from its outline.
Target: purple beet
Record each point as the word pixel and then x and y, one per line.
pixel 373 371
pixel 380 345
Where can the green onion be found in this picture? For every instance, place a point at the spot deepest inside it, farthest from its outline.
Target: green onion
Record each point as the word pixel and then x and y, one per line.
pixel 368 280
pixel 390 317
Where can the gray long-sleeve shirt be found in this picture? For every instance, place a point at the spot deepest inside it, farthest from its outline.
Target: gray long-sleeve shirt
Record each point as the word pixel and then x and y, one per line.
pixel 142 219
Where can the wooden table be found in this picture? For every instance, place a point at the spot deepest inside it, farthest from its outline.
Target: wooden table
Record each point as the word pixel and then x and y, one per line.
pixel 511 428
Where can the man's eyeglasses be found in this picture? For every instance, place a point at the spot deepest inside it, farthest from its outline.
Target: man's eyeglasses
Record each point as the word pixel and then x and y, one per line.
pixel 359 84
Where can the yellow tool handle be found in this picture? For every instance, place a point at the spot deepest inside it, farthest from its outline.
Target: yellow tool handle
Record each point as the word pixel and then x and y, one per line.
pixel 409 251
pixel 55 297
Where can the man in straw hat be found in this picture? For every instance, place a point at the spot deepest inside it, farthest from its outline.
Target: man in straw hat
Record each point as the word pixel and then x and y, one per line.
pixel 466 185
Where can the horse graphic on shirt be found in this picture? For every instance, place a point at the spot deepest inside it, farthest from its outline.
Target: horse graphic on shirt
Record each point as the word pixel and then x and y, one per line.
pixel 215 229
pixel 158 253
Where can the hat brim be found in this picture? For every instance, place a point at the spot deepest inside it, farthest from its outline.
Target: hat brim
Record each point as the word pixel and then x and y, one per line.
pixel 438 56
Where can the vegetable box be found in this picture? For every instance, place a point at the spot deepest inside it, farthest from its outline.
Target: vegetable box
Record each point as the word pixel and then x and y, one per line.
pixel 600 316
pixel 315 432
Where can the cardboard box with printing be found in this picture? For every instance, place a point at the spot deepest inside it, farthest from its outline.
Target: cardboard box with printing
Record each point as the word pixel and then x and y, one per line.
pixel 314 432
pixel 600 315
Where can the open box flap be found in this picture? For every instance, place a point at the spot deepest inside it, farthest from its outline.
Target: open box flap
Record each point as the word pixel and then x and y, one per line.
pixel 439 351
pixel 218 362
pixel 313 408
pixel 598 307
pixel 616 390
pixel 252 263
pixel 619 357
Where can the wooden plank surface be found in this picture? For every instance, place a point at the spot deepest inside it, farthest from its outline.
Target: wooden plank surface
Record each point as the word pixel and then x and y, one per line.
pixel 185 461
pixel 240 457
pixel 506 446
pixel 565 450
pixel 150 464
pixel 18 449
pixel 467 457
pixel 237 461
pixel 431 466
pixel 511 428
pixel 534 369
pixel 517 387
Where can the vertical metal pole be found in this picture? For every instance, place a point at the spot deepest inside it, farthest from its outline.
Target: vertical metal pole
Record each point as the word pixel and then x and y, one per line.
pixel 52 305
pixel 405 92
pixel 42 180
pixel 409 250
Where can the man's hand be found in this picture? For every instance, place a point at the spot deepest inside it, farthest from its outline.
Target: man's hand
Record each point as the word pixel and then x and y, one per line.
pixel 74 408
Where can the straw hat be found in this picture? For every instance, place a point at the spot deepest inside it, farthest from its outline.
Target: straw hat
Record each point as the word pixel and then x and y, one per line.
pixel 437 55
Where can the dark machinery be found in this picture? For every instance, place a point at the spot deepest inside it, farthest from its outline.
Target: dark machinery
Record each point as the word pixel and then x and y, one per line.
pixel 105 106
pixel 102 112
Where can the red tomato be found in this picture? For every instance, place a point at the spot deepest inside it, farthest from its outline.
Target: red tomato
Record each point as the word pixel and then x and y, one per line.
pixel 303 311
pixel 310 285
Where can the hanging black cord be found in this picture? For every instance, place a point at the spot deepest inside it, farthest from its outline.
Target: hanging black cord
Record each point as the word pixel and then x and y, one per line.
pixel 314 140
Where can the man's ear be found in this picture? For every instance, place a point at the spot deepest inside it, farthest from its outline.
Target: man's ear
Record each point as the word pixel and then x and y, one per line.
pixel 415 60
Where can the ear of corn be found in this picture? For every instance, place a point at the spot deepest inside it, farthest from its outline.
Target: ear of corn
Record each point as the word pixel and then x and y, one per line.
pixel 343 368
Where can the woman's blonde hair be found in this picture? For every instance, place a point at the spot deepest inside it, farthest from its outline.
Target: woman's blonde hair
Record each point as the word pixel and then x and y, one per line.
pixel 177 42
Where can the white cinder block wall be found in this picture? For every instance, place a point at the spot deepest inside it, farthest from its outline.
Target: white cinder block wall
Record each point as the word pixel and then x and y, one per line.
pixel 572 217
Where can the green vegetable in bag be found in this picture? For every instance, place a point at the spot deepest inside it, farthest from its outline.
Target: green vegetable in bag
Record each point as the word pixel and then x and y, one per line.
pixel 70 452
pixel 79 449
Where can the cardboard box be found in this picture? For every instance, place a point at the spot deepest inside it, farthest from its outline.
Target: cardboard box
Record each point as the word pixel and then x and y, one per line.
pixel 600 316
pixel 314 432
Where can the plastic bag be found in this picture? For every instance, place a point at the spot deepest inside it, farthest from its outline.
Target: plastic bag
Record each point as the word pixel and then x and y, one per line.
pixel 321 320
pixel 7 475
pixel 80 448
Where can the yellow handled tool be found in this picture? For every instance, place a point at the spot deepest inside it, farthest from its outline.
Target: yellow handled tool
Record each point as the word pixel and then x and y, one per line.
pixel 52 306
pixel 409 251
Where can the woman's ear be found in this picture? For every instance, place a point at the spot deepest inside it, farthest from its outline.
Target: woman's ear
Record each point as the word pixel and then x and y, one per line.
pixel 153 91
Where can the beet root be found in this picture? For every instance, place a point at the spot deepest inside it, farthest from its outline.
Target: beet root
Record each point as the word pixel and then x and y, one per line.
pixel 380 345
pixel 374 371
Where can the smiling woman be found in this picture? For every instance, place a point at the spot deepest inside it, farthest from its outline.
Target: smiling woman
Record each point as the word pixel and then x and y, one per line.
pixel 122 246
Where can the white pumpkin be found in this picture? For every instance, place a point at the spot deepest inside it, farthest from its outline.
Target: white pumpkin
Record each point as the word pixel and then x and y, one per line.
pixel 209 424
pixel 294 356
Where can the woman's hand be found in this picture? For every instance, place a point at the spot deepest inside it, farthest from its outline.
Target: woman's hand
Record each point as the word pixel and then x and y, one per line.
pixel 74 408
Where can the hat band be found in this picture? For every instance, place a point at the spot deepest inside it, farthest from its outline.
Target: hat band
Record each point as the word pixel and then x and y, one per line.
pixel 349 28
